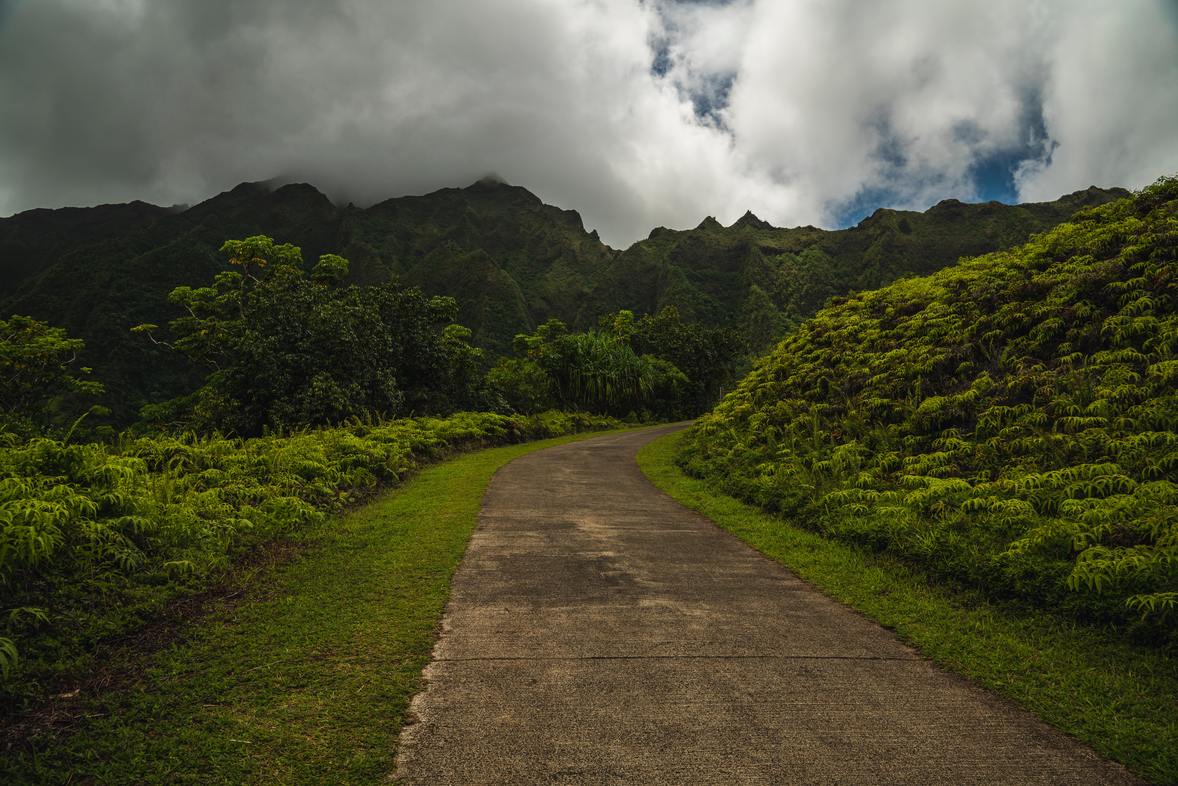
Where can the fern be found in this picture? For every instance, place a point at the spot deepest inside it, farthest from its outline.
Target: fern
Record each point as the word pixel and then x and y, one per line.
pixel 88 528
pixel 1016 418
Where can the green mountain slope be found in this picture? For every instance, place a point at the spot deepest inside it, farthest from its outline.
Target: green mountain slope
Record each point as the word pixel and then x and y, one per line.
pixel 1010 423
pixel 99 284
pixel 510 260
pixel 30 238
pixel 708 272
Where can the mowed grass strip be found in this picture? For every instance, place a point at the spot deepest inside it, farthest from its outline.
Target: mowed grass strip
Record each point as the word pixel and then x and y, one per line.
pixel 305 679
pixel 1120 699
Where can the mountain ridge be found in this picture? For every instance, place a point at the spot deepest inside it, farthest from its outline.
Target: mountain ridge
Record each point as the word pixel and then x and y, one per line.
pixel 490 184
pixel 511 260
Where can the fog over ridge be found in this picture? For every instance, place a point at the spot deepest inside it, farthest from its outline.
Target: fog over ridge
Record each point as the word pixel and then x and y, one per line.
pixel 636 114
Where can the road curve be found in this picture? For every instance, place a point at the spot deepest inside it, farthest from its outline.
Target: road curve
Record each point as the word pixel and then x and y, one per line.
pixel 600 633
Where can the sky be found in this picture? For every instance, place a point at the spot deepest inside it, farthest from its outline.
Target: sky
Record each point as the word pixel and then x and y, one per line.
pixel 636 113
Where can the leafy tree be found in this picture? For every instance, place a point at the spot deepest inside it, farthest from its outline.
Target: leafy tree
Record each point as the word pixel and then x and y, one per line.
pixel 622 324
pixel 460 386
pixel 594 371
pixel 544 343
pixel 38 385
pixel 670 390
pixel 285 350
pixel 706 356
pixel 524 386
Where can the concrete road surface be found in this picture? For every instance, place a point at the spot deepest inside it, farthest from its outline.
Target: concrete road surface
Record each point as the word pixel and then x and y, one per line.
pixel 599 633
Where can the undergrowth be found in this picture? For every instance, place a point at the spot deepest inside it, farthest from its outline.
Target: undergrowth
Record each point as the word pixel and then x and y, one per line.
pixel 1008 424
pixel 95 539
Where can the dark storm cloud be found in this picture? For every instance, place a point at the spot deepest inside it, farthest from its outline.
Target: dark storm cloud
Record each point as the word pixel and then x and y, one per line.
pixel 635 113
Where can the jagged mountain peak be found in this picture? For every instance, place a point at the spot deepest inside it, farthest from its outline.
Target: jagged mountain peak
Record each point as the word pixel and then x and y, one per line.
pixel 497 186
pixel 749 220
pixel 262 195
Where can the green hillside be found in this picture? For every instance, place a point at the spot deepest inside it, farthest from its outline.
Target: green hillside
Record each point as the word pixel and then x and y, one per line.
pixel 1010 423
pixel 99 284
pixel 709 273
pixel 510 260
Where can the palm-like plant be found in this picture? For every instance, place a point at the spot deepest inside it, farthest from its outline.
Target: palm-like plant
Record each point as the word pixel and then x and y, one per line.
pixel 597 371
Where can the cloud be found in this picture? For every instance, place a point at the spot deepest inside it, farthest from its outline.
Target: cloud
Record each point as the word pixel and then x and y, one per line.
pixel 1110 100
pixel 637 114
pixel 902 97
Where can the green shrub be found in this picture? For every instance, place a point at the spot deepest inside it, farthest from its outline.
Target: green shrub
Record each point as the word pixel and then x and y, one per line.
pixel 522 384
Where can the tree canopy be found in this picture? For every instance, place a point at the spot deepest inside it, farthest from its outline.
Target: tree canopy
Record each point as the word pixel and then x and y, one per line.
pixel 40 384
pixel 284 349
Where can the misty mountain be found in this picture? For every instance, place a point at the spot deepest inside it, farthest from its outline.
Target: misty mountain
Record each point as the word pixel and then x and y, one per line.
pixel 510 260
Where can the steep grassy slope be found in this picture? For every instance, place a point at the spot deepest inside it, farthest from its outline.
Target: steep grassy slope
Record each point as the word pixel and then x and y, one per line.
pixel 510 260
pixel 1009 423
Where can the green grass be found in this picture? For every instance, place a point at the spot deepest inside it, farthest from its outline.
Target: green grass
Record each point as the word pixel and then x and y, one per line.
pixel 305 678
pixel 1120 699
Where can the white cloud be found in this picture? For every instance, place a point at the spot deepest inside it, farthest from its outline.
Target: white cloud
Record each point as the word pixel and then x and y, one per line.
pixel 838 97
pixel 1110 100
pixel 171 101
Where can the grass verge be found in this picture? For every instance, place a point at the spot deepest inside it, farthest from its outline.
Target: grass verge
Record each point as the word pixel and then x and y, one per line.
pixel 1120 699
pixel 302 680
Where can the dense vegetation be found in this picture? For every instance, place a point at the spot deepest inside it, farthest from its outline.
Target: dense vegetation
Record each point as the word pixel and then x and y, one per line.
pixel 283 349
pixel 39 383
pixel 510 261
pixel 1010 423
pixel 762 279
pixel 96 538
pixel 658 366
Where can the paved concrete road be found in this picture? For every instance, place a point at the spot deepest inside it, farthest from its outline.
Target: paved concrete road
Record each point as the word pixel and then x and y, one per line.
pixel 599 633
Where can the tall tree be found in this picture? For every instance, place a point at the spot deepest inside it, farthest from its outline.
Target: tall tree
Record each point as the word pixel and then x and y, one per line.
pixel 284 349
pixel 39 382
